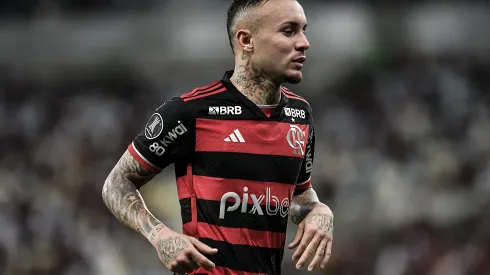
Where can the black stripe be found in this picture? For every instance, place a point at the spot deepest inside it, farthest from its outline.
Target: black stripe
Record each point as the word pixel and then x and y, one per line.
pixel 180 168
pixel 209 211
pixel 186 210
pixel 215 87
pixel 243 166
pixel 246 258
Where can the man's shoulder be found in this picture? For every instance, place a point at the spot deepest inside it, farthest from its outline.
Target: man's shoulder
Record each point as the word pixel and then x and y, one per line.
pixel 198 102
pixel 295 99
pixel 204 92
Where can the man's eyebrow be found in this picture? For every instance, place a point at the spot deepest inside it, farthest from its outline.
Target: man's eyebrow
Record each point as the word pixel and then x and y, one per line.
pixel 293 24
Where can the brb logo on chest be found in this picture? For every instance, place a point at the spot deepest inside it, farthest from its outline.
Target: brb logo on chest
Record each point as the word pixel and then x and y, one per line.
pixel 295 113
pixel 225 110
pixel 153 130
pixel 272 204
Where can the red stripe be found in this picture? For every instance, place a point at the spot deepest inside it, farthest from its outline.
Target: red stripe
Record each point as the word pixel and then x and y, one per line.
pixel 206 94
pixel 287 91
pixel 293 96
pixel 219 270
pixel 304 186
pixel 298 98
pixel 184 186
pixel 242 236
pixel 199 91
pixel 261 137
pixel 267 111
pixel 142 161
pixel 209 188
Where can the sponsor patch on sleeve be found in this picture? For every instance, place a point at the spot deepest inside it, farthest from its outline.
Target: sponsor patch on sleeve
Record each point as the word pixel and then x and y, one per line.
pixel 154 126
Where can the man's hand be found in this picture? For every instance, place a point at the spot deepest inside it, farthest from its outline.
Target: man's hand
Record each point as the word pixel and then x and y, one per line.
pixel 180 253
pixel 314 238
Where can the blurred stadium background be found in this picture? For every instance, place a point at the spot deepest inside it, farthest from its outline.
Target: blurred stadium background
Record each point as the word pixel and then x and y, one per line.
pixel 400 94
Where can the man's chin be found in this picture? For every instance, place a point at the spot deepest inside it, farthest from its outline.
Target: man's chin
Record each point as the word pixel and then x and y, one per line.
pixel 294 78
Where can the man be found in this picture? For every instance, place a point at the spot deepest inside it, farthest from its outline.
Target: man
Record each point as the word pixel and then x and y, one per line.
pixel 243 151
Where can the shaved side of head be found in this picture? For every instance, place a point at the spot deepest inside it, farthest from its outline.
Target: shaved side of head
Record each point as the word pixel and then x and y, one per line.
pixel 243 14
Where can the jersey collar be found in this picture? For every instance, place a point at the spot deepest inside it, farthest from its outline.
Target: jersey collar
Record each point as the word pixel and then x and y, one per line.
pixel 247 102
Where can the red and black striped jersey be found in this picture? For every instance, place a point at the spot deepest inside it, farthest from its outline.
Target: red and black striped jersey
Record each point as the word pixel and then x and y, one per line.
pixel 237 169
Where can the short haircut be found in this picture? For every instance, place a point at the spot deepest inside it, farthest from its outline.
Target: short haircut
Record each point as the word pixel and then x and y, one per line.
pixel 237 11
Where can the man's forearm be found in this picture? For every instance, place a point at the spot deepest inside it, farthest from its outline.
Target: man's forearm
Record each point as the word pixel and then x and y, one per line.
pixel 123 199
pixel 302 204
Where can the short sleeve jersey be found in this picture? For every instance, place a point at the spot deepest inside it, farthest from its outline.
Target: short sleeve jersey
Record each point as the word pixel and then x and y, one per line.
pixel 236 168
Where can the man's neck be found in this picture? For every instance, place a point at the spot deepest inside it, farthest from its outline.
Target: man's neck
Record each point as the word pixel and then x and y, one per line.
pixel 256 85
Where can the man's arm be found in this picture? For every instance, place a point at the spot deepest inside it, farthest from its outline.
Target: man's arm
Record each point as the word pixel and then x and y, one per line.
pixel 302 205
pixel 121 196
pixel 313 240
pixel 179 253
pixel 146 156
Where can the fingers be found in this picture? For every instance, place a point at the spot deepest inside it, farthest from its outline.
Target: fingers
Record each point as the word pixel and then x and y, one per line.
pixel 191 259
pixel 319 255
pixel 203 248
pixel 309 251
pixel 201 260
pixel 182 265
pixel 297 237
pixel 327 253
pixel 305 240
pixel 193 264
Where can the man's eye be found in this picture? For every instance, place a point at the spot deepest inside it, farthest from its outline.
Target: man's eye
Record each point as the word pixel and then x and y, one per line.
pixel 288 32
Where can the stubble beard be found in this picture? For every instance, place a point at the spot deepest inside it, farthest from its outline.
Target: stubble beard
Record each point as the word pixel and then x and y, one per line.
pixel 293 79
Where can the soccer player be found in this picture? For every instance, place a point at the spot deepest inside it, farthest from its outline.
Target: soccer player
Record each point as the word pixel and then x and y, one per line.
pixel 243 149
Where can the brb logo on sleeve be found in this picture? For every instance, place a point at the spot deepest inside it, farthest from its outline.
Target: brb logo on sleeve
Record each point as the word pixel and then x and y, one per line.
pixel 281 207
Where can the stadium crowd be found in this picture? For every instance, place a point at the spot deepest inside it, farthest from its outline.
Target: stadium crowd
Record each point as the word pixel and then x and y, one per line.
pixel 402 158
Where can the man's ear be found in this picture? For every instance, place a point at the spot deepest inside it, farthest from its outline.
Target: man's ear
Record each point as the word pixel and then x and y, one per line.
pixel 244 40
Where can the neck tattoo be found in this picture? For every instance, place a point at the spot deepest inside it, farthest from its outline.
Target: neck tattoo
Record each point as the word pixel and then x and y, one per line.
pixel 255 84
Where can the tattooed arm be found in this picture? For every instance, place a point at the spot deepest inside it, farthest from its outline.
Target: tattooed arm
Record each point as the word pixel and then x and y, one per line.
pixel 302 205
pixel 179 253
pixel 121 196
pixel 313 239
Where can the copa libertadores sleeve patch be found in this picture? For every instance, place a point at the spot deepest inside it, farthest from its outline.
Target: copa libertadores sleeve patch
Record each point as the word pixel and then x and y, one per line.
pixel 167 136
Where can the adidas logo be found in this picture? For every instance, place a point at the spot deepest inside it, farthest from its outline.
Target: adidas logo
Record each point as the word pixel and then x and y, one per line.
pixel 236 136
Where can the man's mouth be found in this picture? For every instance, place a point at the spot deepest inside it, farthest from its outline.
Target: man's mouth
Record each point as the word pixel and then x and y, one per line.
pixel 300 59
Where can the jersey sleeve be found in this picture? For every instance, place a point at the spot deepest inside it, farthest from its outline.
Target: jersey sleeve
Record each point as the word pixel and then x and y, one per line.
pixel 304 178
pixel 168 136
